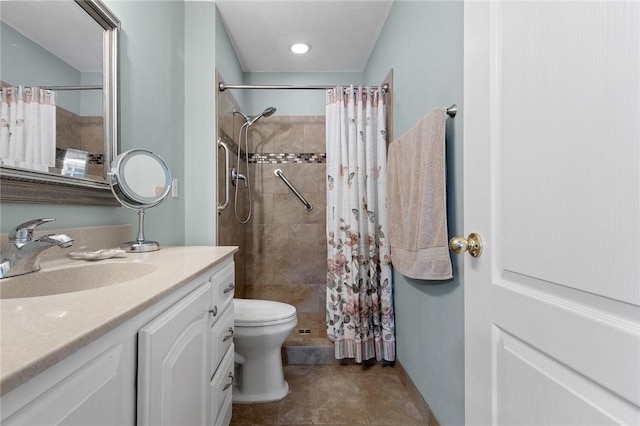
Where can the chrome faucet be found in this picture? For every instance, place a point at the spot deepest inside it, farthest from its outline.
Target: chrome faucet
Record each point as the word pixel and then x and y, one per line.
pixel 22 255
pixel 236 176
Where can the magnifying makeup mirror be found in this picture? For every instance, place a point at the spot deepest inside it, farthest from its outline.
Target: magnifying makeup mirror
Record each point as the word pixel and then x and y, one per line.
pixel 140 180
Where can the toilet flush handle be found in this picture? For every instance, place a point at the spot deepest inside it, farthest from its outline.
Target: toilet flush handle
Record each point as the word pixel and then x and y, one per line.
pixel 228 385
pixel 228 336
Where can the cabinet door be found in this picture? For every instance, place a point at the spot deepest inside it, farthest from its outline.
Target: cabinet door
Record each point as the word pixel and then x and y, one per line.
pixel 88 396
pixel 172 364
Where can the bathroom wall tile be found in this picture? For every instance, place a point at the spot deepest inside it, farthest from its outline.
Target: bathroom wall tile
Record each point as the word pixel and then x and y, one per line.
pixel 288 137
pixel 315 269
pixel 287 208
pixel 299 296
pixel 262 207
pixel 322 178
pixel 303 118
pixel 279 118
pixel 267 239
pixel 302 239
pixel 260 137
pixel 318 214
pixel 314 137
pixel 304 177
pixel 278 261
pixel 263 269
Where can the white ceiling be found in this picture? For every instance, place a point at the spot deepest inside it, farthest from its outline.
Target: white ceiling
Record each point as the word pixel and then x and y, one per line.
pixel 342 33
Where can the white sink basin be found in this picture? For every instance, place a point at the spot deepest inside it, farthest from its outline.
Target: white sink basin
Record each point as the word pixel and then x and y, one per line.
pixel 72 278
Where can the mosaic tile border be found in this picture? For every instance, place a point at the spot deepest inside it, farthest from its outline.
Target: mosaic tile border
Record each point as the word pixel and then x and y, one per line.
pixel 288 157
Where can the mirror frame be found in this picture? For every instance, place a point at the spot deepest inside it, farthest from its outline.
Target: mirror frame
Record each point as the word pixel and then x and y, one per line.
pixel 28 186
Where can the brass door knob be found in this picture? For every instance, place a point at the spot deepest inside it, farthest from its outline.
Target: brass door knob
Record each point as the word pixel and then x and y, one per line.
pixel 472 244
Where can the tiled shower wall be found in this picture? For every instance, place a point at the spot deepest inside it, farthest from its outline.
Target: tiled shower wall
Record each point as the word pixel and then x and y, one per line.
pixel 285 243
pixel 282 253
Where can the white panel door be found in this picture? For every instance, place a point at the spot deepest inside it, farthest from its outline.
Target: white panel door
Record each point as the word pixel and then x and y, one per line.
pixel 552 183
pixel 173 364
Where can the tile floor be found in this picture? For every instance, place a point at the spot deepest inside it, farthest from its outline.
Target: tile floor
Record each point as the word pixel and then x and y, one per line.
pixel 332 395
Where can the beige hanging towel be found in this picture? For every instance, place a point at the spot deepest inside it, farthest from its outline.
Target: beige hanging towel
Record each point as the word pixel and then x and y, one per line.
pixel 418 200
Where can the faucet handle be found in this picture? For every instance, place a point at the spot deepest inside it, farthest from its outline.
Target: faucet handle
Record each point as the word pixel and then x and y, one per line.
pixel 23 233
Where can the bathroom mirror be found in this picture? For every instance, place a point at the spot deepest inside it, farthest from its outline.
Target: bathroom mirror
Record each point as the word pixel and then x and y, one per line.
pixel 71 48
pixel 140 180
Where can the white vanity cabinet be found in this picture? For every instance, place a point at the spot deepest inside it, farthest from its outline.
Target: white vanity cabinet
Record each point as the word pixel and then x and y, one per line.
pixel 170 364
pixel 181 353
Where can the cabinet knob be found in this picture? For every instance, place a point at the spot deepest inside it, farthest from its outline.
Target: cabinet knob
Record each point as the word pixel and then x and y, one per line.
pixel 229 288
pixel 214 311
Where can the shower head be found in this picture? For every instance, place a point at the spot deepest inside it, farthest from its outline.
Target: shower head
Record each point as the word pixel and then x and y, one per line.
pixel 266 113
pixel 249 121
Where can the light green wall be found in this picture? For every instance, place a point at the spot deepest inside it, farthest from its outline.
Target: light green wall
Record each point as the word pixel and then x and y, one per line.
pixel 152 101
pixel 198 185
pixel 227 62
pixel 423 42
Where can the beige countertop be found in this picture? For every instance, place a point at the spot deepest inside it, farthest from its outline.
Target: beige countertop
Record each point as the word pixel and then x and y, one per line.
pixel 38 332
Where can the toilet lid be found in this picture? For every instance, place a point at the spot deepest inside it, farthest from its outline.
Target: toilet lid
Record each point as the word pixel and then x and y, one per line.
pixel 254 312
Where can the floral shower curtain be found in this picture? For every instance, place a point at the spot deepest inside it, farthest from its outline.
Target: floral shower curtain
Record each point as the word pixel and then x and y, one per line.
pixel 360 317
pixel 28 128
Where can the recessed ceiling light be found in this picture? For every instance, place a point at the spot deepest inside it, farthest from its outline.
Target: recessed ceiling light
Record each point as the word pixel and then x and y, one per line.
pixel 300 48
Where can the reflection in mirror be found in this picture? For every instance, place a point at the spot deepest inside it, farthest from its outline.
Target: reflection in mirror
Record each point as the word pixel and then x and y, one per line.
pixel 140 179
pixel 145 176
pixel 58 63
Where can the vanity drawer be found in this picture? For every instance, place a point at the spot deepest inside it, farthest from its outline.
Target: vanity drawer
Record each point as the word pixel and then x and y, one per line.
pixel 221 390
pixel 224 285
pixel 221 337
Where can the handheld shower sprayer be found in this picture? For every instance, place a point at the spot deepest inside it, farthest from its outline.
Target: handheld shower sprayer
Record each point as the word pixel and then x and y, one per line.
pixel 237 175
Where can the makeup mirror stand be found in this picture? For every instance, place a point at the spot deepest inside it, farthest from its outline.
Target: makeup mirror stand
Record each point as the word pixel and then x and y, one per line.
pixel 140 245
pixel 140 180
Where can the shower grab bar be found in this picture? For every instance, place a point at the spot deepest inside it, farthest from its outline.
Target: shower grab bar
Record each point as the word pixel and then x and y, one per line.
pixel 307 204
pixel 227 175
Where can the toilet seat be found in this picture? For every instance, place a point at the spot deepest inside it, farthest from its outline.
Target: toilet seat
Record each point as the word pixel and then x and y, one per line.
pixel 261 313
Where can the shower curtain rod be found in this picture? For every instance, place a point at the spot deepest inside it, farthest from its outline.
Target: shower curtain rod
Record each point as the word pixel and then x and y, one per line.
pixel 223 86
pixel 71 87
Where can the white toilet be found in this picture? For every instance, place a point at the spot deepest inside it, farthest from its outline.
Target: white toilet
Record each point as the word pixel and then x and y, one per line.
pixel 260 329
